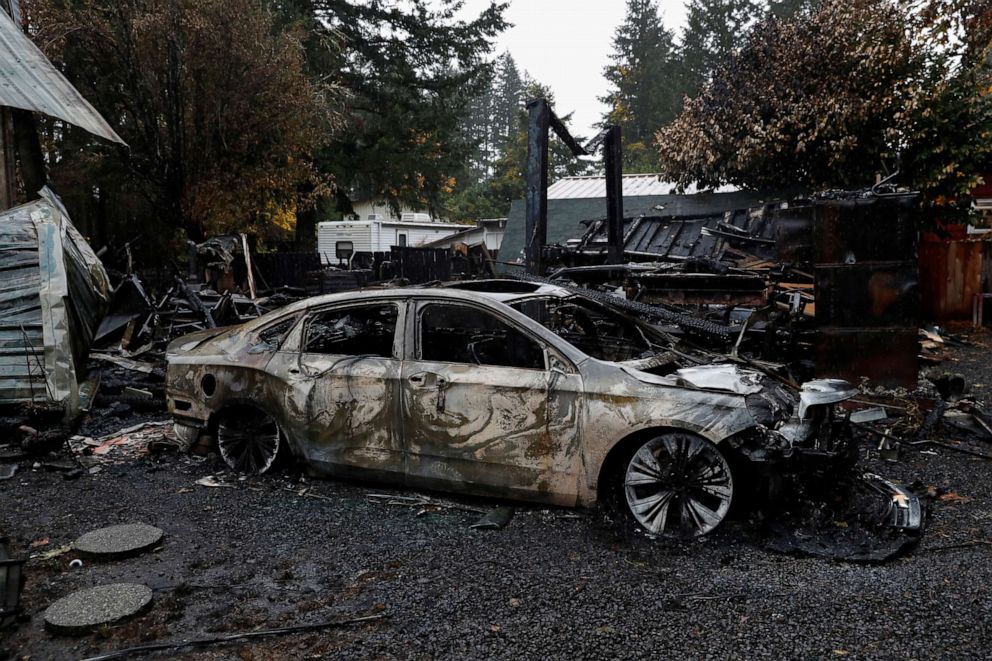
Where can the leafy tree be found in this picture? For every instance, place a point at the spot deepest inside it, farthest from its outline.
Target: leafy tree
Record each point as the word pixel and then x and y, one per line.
pixel 645 86
pixel 816 101
pixel 411 69
pixel 843 91
pixel 948 134
pixel 211 97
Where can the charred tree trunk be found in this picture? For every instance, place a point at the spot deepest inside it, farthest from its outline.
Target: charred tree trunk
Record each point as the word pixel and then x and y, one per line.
pixel 29 153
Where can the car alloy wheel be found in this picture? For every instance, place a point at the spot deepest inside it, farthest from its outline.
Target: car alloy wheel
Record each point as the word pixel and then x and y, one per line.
pixel 678 482
pixel 249 440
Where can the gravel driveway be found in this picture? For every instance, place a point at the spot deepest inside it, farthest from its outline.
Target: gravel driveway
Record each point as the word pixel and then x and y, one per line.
pixel 283 549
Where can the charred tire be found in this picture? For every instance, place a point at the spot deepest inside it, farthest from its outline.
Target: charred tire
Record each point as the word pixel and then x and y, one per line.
pixel 675 483
pixel 249 439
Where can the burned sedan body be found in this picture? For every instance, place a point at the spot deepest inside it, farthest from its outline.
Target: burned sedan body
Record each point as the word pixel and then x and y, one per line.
pixel 538 396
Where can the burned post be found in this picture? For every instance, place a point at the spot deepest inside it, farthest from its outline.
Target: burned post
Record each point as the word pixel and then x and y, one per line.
pixel 8 175
pixel 539 120
pixel 8 151
pixel 613 158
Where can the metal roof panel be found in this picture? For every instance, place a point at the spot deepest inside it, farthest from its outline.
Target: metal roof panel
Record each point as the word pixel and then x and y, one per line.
pixel 29 81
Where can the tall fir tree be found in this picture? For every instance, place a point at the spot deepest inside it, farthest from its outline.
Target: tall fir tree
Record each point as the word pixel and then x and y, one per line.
pixel 786 9
pixel 490 120
pixel 645 85
pixel 508 98
pixel 713 29
pixel 492 197
pixel 411 68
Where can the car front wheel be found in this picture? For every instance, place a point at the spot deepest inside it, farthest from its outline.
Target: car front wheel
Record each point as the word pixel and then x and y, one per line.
pixel 677 483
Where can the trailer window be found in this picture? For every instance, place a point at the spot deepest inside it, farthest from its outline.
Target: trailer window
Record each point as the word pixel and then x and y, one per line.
pixel 401 240
pixel 344 249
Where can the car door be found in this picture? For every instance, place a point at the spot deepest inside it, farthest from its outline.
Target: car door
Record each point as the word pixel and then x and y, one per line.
pixel 482 411
pixel 346 389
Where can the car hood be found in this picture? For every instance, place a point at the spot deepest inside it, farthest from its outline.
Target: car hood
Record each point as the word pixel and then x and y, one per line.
pixel 722 378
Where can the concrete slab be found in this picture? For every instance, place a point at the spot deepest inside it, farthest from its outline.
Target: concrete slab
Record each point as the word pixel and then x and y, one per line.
pixel 119 541
pixel 86 610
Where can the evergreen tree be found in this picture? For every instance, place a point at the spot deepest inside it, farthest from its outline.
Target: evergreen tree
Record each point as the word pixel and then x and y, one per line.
pixel 491 120
pixel 644 78
pixel 508 98
pixel 492 198
pixel 411 69
pixel 712 31
pixel 786 9
pixel 479 131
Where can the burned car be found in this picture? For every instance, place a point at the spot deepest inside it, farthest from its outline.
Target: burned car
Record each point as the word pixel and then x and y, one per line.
pixel 537 395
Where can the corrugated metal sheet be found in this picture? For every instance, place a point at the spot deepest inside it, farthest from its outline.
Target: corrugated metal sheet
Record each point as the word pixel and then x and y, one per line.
pixel 572 188
pixel 53 295
pixel 634 185
pixel 29 81
pixel 677 238
pixel 565 216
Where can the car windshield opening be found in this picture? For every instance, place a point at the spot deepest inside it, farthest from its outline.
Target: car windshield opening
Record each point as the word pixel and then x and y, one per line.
pixel 595 330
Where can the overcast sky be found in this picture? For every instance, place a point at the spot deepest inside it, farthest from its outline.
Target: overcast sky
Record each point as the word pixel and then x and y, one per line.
pixel 565 44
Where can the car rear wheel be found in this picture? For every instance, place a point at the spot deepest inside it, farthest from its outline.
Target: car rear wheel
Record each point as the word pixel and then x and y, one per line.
pixel 678 483
pixel 248 439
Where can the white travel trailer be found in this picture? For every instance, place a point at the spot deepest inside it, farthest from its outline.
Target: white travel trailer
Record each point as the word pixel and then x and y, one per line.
pixel 339 241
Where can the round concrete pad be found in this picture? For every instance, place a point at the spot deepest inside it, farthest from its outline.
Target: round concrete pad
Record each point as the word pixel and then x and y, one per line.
pixel 86 610
pixel 118 541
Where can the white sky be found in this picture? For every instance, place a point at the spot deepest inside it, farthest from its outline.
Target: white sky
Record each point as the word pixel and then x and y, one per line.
pixel 565 44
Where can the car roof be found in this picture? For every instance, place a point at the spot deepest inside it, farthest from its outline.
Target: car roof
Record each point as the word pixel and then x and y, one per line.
pixel 420 292
pixel 426 293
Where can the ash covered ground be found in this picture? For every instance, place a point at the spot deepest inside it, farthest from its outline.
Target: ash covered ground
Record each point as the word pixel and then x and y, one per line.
pixel 284 549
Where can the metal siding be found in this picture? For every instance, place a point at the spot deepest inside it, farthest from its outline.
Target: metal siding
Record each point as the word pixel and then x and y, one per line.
pixel 29 81
pixel 72 276
pixel 328 234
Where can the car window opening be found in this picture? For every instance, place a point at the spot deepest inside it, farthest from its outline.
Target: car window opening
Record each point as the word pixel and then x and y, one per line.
pixel 362 331
pixel 596 331
pixel 269 339
pixel 458 334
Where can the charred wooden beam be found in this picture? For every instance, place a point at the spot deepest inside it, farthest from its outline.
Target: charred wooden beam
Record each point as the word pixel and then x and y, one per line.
pixel 539 119
pixel 565 136
pixel 613 157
